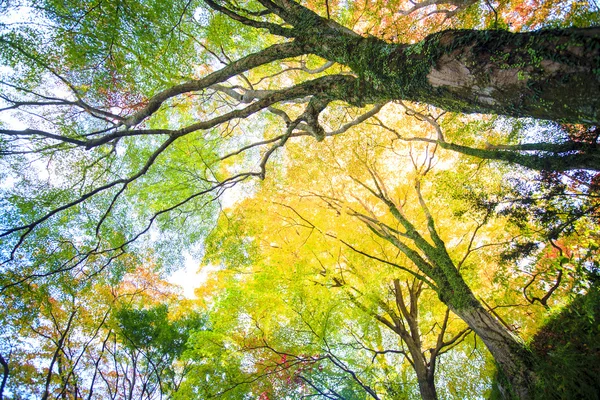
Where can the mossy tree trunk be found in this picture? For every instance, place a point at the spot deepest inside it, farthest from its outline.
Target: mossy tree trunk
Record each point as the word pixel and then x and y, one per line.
pixel 436 267
pixel 509 352
pixel 549 74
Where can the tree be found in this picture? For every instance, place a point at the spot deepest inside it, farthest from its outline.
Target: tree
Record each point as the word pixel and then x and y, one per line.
pixel 132 133
pixel 524 77
pixel 430 254
pixel 362 182
pixel 404 321
pixel 335 194
pixel 72 337
pixel 349 286
pixel 127 131
pixel 291 346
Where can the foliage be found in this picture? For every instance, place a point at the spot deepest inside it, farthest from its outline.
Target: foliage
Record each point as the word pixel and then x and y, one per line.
pixel 356 234
pixel 96 339
pixel 567 350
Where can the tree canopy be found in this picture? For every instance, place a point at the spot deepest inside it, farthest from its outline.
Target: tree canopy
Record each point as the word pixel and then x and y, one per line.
pixel 389 198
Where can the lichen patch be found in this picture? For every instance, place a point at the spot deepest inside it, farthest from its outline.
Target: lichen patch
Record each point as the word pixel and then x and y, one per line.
pixel 451 72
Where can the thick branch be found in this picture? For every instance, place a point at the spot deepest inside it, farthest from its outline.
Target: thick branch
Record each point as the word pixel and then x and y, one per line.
pixel 275 52
pixel 548 74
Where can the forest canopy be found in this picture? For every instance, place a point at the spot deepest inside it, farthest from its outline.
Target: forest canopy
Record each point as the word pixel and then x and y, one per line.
pixel 387 199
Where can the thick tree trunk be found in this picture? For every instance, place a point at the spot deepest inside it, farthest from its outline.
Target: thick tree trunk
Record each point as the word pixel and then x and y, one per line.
pixel 548 74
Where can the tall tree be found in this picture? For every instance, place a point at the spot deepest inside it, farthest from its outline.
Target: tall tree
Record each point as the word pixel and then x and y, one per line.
pixel 380 196
pixel 343 281
pixel 136 116
pixel 78 338
pixel 107 107
pixel 359 195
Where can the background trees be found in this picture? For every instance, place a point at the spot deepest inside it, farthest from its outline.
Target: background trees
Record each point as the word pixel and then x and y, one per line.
pixel 126 124
pixel 100 340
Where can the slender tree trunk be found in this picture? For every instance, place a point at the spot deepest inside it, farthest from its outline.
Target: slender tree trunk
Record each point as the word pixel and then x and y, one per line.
pixel 548 74
pixel 425 374
pixel 5 372
pixel 508 351
pixel 427 388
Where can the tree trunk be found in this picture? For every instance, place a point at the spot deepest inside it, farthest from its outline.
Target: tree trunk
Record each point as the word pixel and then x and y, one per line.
pixel 548 74
pixel 510 354
pixel 5 373
pixel 507 350
pixel 427 388
pixel 425 373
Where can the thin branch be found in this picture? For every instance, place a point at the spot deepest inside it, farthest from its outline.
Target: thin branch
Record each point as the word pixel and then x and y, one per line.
pixel 5 372
pixel 271 27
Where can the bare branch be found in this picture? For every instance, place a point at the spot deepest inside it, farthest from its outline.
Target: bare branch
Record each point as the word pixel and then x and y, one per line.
pixel 273 28
pixel 273 53
pixel 544 300
pixel 458 4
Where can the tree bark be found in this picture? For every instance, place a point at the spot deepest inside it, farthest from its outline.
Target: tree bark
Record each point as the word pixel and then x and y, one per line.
pixel 426 384
pixel 427 389
pixel 425 373
pixel 508 351
pixel 547 74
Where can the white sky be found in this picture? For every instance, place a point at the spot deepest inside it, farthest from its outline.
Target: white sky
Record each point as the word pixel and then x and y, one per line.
pixel 191 276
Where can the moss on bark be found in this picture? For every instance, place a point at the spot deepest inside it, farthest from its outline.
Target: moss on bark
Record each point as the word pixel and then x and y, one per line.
pixel 549 74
